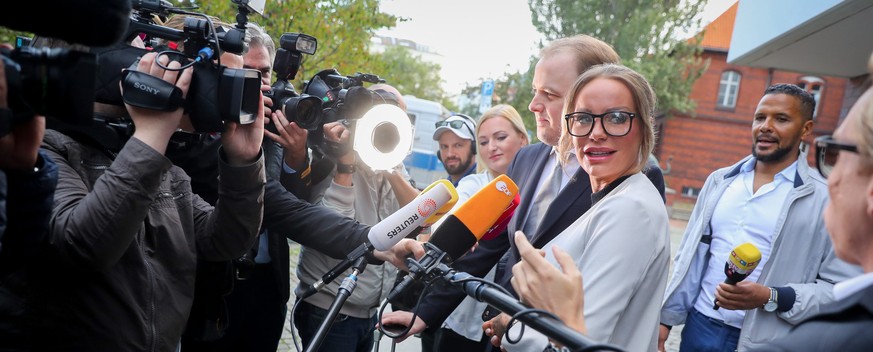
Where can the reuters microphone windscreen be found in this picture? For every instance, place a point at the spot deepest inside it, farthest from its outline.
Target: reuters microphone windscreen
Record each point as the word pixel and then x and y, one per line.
pixel 445 208
pixel 401 223
pixel 740 263
pixel 463 227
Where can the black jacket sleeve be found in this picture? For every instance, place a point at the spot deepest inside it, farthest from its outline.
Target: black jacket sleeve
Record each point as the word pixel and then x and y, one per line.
pixel 25 210
pixel 312 226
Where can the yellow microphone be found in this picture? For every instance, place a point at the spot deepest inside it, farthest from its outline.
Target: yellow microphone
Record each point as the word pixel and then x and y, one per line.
pixel 741 262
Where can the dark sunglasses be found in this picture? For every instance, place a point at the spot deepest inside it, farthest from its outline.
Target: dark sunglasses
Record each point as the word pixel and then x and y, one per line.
pixel 827 151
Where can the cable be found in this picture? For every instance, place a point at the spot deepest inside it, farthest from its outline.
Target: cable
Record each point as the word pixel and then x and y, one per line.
pixel 411 321
pixel 521 313
pixel 294 329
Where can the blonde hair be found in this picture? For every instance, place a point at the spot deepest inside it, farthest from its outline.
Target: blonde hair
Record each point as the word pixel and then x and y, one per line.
pixel 510 114
pixel 644 104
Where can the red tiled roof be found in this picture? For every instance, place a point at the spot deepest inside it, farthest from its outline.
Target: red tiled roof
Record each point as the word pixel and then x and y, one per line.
pixel 717 34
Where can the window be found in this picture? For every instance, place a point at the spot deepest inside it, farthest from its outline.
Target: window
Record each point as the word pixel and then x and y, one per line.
pixel 814 86
pixel 728 88
pixel 690 191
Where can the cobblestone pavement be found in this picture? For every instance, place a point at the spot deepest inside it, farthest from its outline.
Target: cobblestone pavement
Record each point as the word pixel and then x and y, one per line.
pixel 677 227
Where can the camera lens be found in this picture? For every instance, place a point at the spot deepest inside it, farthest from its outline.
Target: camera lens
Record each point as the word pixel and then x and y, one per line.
pixel 304 110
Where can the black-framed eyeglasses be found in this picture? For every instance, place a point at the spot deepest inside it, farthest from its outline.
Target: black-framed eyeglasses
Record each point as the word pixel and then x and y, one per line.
pixel 615 123
pixel 827 151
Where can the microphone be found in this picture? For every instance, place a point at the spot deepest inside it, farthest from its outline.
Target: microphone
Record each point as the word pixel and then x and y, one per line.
pixel 503 220
pixel 461 230
pixel 431 204
pixel 392 229
pixel 741 262
pixel 445 208
pixel 96 22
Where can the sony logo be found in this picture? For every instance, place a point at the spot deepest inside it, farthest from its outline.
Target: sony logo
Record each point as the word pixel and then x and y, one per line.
pixel 146 88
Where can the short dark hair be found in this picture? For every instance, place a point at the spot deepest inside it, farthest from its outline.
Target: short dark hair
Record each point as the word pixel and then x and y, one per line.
pixel 807 101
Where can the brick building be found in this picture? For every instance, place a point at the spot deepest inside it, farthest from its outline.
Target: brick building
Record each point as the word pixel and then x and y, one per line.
pixel 719 132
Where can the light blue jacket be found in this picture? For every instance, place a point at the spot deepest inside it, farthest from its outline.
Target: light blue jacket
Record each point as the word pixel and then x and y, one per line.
pixel 802 257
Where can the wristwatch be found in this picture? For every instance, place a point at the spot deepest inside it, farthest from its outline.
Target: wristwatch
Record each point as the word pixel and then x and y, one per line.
pixel 773 302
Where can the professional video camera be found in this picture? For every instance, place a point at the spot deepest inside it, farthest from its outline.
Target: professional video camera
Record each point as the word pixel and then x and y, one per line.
pixel 51 82
pixel 304 109
pixel 217 94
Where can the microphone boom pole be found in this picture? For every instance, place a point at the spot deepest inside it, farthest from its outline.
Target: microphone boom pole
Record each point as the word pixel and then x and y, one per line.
pixel 342 294
pixel 553 329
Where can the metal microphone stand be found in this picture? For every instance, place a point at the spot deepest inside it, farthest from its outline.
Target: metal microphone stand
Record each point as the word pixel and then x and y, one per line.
pixel 345 290
pixel 553 329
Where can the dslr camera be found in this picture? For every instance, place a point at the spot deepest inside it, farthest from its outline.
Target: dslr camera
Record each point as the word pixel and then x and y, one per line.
pixel 304 109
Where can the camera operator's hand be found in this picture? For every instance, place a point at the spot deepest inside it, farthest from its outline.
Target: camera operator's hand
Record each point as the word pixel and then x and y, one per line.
pixel 292 138
pixel 268 102
pixel 154 127
pixel 19 148
pixel 402 318
pixel 242 143
pixel 337 132
pixel 397 255
pixel 496 328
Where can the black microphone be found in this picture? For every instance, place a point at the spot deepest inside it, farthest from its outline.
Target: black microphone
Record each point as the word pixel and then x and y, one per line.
pixel 462 228
pixel 88 22
pixel 741 262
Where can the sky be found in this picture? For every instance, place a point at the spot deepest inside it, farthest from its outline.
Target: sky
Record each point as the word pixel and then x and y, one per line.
pixel 479 38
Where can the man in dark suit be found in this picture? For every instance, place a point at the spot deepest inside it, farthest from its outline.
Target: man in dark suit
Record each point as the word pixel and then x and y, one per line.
pixel 552 195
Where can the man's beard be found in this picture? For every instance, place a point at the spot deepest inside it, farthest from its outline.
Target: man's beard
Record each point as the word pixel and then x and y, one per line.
pixel 461 168
pixel 779 154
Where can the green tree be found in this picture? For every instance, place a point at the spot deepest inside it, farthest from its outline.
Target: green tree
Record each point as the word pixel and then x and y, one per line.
pixel 343 29
pixel 513 88
pixel 645 33
pixel 410 75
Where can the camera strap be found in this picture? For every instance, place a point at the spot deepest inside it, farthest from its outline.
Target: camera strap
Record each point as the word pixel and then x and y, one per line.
pixel 150 92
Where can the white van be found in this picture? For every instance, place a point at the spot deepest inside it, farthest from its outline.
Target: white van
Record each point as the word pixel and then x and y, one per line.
pixel 423 165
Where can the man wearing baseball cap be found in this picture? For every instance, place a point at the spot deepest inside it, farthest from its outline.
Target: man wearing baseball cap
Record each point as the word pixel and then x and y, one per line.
pixel 457 149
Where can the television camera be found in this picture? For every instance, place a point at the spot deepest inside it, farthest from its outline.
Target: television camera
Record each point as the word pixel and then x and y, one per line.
pixel 217 94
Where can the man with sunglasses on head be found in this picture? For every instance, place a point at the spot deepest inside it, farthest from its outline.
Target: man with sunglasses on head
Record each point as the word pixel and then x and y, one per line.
pixel 457 149
pixel 774 200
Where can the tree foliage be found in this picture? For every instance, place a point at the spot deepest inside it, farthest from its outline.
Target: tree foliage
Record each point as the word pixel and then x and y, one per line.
pixel 410 75
pixel 343 29
pixel 645 33
pixel 513 88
